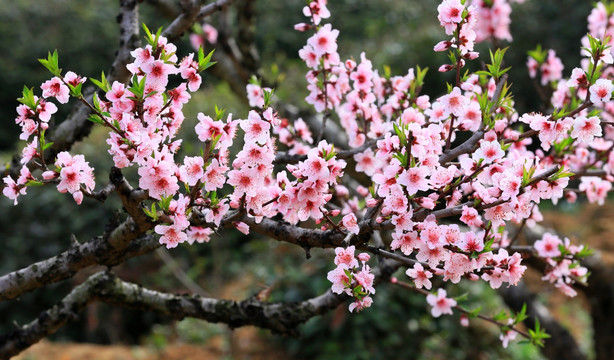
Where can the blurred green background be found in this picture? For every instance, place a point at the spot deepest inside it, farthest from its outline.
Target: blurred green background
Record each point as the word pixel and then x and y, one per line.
pixel 398 33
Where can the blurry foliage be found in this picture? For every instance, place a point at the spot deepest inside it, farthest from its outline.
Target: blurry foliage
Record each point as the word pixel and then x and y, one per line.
pixel 397 33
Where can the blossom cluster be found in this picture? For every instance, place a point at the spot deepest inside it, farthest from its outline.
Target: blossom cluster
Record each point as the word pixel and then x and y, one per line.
pixel 348 278
pixel 503 180
pixel 443 201
pixel 564 267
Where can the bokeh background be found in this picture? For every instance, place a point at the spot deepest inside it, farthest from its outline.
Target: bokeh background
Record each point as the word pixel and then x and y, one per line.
pixel 397 33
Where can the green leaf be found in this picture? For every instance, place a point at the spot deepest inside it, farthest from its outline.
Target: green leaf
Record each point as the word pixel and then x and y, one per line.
pixel 153 213
pixel 204 62
pixel 28 98
pixel 47 146
pixel 95 119
pixel 34 183
pixel 103 83
pixel 219 113
pixel 51 63
pixel 75 90
pixel 538 54
pixel 268 95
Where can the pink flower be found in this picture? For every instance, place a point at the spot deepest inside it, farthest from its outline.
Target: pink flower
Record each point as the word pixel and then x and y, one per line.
pixel 420 276
pixel 585 129
pixel 450 11
pixel 214 177
pixel 507 335
pixel 339 279
pixel 489 151
pixel 552 68
pixel 255 95
pixel 548 246
pixel 364 257
pixel 365 278
pixel 454 102
pixel 192 170
pixel 407 242
pixel 471 217
pixel 198 234
pixel 172 235
pixel 324 41
pixel 414 179
pixel 74 172
pixel 256 129
pixel 12 190
pixel 55 88
pixel 246 181
pixel 346 257
pixel 440 303
pixel 359 305
pixel 601 91
pixel 317 10
pixel 351 223
pixel 157 73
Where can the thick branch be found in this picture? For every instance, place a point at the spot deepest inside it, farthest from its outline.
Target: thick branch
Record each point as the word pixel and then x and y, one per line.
pixel 307 238
pixel 63 266
pixel 104 286
pixel 190 15
pixel 124 241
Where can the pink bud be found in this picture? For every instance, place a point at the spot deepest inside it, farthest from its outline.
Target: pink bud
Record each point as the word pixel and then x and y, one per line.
pixel 442 46
pixel 394 280
pixel 379 220
pixel 363 191
pixel 234 204
pixel 445 68
pixel 341 191
pixel 302 27
pixel 78 196
pixel 571 197
pixel 48 175
pixel 473 277
pixel 472 55
pixel 364 257
pixel 371 203
pixel 335 212
pixel 350 64
pixel 464 320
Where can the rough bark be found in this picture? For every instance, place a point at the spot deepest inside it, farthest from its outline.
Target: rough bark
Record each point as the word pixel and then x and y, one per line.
pixel 280 318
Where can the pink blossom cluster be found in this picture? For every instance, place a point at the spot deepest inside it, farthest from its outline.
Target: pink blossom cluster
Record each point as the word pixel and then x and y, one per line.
pixel 253 166
pixel 307 196
pixel 447 211
pixel 551 69
pixel 207 36
pixel 493 19
pixel 460 22
pixel 348 278
pixel 74 173
pixel 295 135
pixel 564 268
pixel 34 121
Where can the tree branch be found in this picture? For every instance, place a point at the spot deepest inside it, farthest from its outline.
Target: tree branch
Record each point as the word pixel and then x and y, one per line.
pixel 561 345
pixel 280 318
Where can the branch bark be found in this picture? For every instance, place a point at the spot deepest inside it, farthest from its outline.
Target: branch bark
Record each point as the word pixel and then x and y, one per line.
pixel 561 345
pixel 280 317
